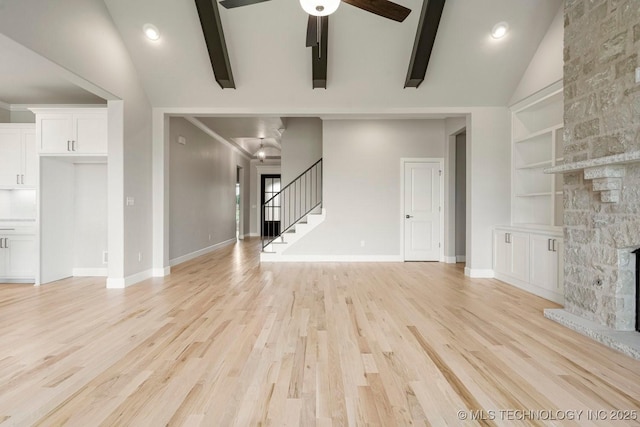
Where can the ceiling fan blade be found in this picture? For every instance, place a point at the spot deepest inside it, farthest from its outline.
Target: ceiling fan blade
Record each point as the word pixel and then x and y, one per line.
pixel 384 8
pixel 230 4
pixel 312 31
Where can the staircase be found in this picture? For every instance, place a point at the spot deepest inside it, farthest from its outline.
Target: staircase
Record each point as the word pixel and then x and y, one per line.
pixel 291 213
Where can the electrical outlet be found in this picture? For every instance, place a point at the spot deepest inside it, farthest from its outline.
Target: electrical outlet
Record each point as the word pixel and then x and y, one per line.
pixel 209 237
pixel 105 257
pixel 362 243
pixel 139 256
pixel 130 201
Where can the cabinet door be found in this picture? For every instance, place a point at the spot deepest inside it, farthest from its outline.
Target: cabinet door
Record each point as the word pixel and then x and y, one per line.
pixel 519 255
pixel 55 132
pixel 21 255
pixel 501 252
pixel 90 133
pixel 10 156
pixel 30 157
pixel 3 258
pixel 542 262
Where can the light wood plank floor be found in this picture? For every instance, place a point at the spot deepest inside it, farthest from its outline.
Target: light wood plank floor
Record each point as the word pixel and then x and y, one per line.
pixel 225 341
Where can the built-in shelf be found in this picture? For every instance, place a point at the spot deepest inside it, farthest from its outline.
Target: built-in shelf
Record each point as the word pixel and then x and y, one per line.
pixel 542 132
pixel 537 145
pixel 536 165
pixel 534 194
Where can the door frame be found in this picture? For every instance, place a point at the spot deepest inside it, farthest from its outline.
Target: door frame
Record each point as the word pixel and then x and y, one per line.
pixel 263 224
pixel 262 169
pixel 403 162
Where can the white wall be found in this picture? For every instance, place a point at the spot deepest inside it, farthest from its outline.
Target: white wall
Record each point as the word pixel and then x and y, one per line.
pixel 546 66
pixel 488 184
pixel 90 219
pixel 80 36
pixel 301 146
pixel 362 179
pixel 202 182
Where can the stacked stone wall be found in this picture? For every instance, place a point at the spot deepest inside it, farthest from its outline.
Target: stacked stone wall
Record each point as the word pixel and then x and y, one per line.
pixel 602 118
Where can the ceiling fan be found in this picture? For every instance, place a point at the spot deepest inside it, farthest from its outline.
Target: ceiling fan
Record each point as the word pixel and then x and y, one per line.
pixel 317 34
pixel 319 10
pixel 318 25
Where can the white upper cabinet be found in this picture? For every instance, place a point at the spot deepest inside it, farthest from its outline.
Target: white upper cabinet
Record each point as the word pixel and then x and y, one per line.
pixel 18 162
pixel 71 131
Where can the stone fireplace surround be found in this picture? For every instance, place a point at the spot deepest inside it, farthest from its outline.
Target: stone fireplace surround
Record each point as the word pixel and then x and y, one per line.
pixel 601 189
pixel 609 295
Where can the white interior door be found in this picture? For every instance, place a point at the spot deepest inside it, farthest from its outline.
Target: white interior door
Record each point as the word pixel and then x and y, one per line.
pixel 422 211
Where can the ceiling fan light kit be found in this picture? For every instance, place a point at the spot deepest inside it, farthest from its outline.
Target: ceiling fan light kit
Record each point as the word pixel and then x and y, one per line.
pixel 320 7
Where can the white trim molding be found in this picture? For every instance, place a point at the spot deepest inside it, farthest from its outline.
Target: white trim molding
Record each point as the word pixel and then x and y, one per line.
pixel 161 272
pixel 121 283
pixel 200 252
pixel 335 258
pixel 450 259
pixel 479 273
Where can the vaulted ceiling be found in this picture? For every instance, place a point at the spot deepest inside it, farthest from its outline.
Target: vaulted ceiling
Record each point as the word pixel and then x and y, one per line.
pixel 368 55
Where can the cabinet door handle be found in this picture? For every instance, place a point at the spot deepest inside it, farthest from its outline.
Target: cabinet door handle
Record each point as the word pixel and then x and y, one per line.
pixel 1 246
pixel 553 245
pixel 22 179
pixel 6 243
pixel 548 245
pixel 73 145
pixel 18 179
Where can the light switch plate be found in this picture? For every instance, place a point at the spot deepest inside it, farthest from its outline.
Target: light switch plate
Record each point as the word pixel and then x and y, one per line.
pixel 130 201
pixel 182 140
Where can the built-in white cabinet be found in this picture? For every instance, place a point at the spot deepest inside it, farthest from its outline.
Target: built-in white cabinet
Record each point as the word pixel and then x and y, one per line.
pixel 537 136
pixel 530 259
pixel 512 253
pixel 71 131
pixel 18 157
pixel 17 257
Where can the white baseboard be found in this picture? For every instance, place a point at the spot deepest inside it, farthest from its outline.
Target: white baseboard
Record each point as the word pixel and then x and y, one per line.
pixel 461 258
pixel 161 271
pixel 253 234
pixel 121 283
pixel 204 251
pixel 450 259
pixel 333 258
pixel 89 272
pixel 478 273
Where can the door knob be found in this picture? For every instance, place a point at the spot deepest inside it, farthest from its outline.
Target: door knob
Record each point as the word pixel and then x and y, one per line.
pixel 408 216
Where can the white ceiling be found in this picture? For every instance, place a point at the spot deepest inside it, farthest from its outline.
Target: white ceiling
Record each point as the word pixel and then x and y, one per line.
pixel 368 55
pixel 24 80
pixel 249 132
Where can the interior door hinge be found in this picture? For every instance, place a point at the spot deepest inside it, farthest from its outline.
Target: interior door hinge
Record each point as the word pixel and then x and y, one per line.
pixel 440 172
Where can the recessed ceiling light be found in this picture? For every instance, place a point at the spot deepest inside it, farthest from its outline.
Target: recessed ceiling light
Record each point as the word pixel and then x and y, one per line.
pixel 151 31
pixel 499 30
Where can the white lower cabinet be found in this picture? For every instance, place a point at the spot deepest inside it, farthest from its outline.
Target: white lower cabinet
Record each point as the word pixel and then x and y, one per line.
pixel 530 260
pixel 17 257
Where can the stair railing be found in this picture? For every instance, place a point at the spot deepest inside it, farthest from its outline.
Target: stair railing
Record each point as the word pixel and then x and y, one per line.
pixel 294 202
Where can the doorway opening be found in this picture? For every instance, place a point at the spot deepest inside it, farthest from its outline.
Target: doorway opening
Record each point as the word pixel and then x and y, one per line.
pixel 238 169
pixel 460 205
pixel 270 202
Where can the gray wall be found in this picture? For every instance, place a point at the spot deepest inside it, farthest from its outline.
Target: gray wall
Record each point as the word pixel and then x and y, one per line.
pixel 301 146
pixel 5 116
pixel 202 179
pixel 461 185
pixel 362 179
pixel 23 117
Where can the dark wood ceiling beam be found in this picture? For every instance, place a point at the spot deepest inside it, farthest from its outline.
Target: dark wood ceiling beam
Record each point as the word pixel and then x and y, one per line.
pixel 425 39
pixel 216 45
pixel 319 54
